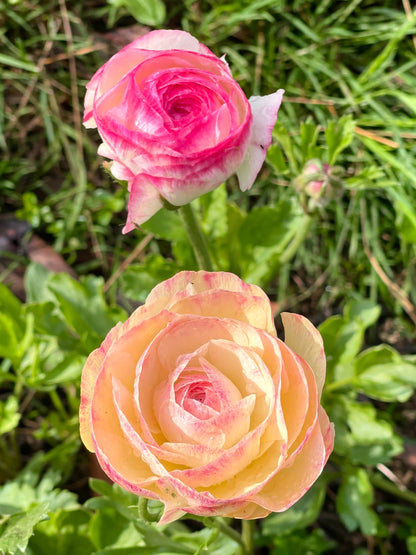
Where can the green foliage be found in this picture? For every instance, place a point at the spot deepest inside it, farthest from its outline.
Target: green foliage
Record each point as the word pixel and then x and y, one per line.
pixel 149 12
pixel 355 497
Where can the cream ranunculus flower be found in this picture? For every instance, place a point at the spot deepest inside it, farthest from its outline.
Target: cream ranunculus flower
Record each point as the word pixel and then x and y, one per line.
pixel 195 401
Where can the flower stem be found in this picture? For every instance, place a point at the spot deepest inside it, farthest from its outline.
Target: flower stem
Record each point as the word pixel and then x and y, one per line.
pixel 196 237
pixel 221 525
pixel 297 240
pixel 390 487
pixel 247 532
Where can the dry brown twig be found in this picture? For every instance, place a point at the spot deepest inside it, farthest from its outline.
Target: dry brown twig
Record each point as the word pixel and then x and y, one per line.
pixel 134 254
pixel 393 288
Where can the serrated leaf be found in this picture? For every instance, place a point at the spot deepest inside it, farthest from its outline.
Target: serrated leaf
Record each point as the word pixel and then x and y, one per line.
pixel 339 135
pixel 83 306
pixel 361 434
pixel 139 279
pixel 149 12
pixel 354 500
pixel 383 374
pixel 9 415
pixel 165 224
pixel 17 529
pixel 263 235
pixel 108 528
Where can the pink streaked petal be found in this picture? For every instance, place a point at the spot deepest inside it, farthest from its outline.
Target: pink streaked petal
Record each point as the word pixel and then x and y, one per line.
pixel 311 415
pixel 188 283
pixel 144 201
pixel 186 454
pixel 234 422
pixel 306 341
pixel 226 466
pixel 292 482
pixel 88 380
pixel 251 479
pixel 179 425
pixel 248 308
pixel 124 406
pixel 166 39
pixel 242 366
pixel 226 391
pixel 92 86
pixel 198 409
pixel 250 511
pixel 264 110
pixel 114 452
pixel 295 393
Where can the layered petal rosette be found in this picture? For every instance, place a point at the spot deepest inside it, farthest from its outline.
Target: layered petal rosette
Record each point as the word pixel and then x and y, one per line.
pixel 195 401
pixel 175 123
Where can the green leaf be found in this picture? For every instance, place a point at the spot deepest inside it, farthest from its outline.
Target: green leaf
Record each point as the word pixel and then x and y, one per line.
pixel 342 341
pixel 84 308
pixel 303 542
pixel 165 224
pixel 10 304
pixel 11 336
pixel 364 311
pixel 309 132
pixel 263 236
pixel 66 532
pixel 362 434
pixel 17 529
pixel 282 135
pixel 354 500
pixel 9 414
pixel 276 159
pixel 300 515
pixel 36 283
pixel 110 529
pixel 339 135
pixel 411 545
pixel 344 335
pixel 149 12
pixel 385 375
pixel 139 279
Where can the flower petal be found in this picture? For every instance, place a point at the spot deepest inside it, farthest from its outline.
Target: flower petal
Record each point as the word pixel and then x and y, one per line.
pixel 264 110
pixel 305 340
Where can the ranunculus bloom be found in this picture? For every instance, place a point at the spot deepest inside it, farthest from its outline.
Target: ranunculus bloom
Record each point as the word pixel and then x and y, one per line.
pixel 194 401
pixel 175 123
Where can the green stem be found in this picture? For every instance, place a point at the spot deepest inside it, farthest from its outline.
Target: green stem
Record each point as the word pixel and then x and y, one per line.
pixel 145 514
pixel 340 383
pixel 247 534
pixel 296 242
pixel 222 526
pixel 196 237
pixel 390 487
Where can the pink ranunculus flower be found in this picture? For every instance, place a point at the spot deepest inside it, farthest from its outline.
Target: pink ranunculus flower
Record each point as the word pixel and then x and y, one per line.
pixel 175 123
pixel 194 401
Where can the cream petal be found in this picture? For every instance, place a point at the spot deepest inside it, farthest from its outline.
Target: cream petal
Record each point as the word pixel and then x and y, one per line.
pixel 292 482
pixel 305 340
pixel 88 380
pixel 114 452
pixel 295 393
pixel 124 405
pixel 186 454
pixel 251 309
pixel 190 283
